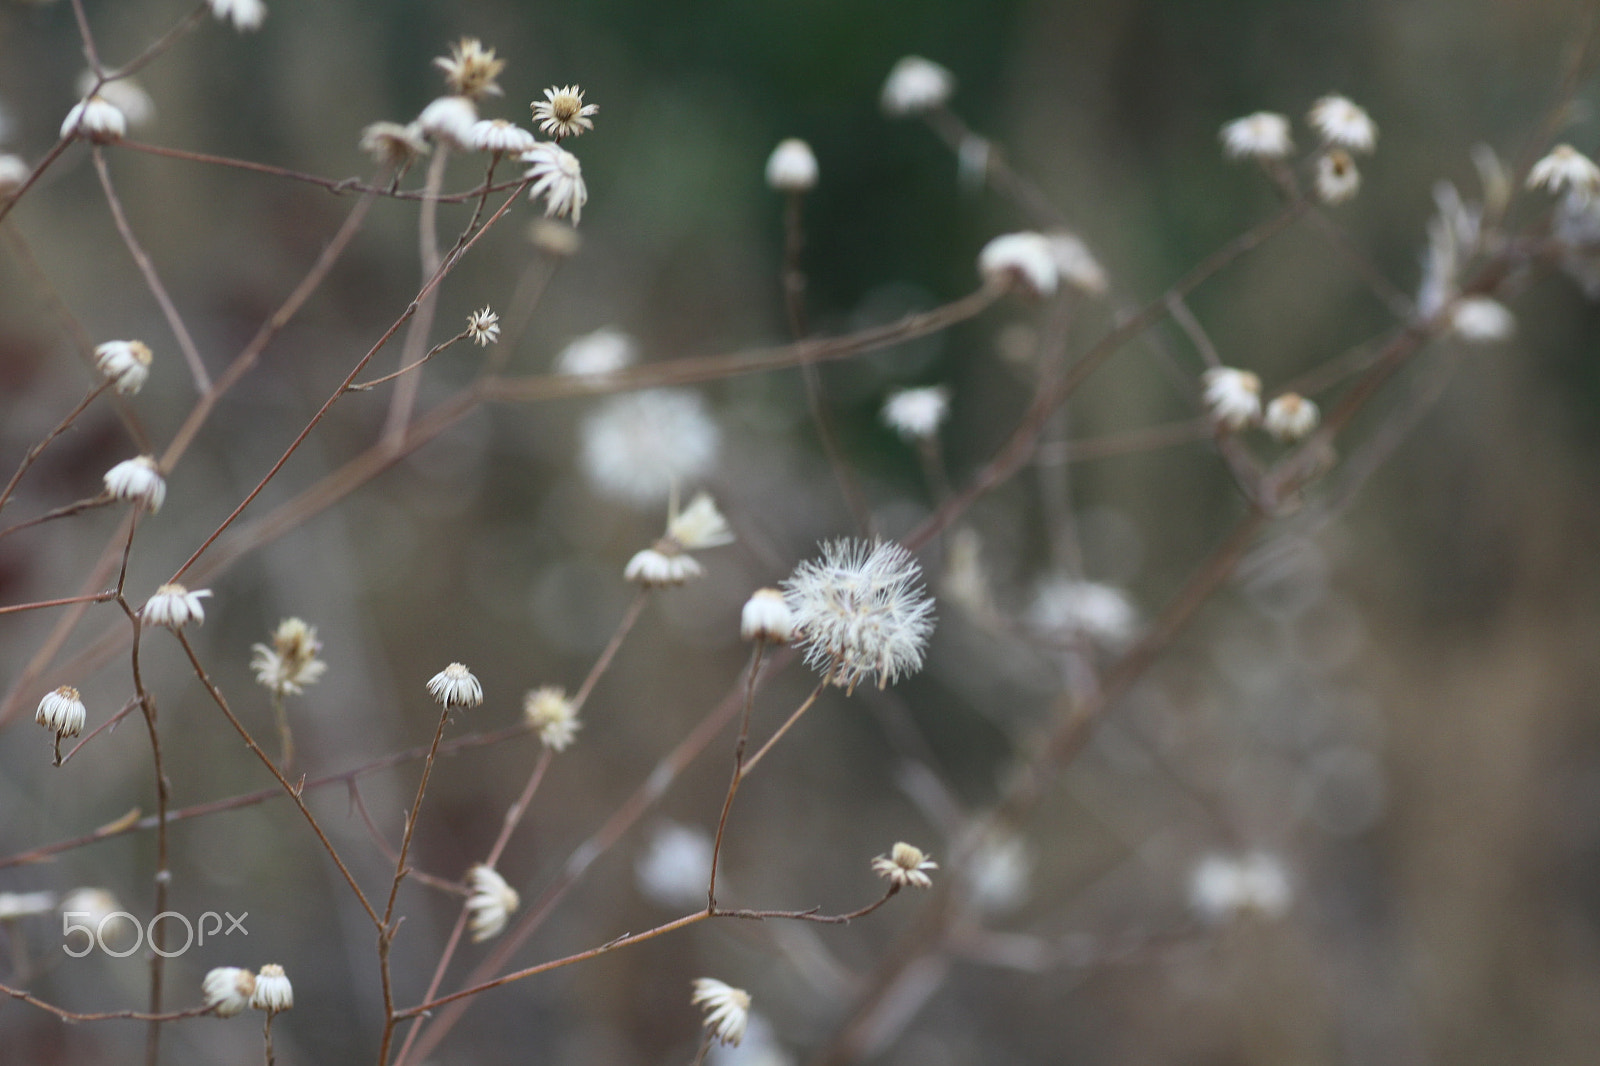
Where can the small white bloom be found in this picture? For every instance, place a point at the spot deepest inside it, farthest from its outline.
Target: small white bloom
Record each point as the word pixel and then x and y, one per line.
pixel 655 568
pixel 916 85
pixel 727 1009
pixel 1076 264
pixel 1223 887
pixel 999 873
pixel 1290 417
pixel 552 715
pixel 174 606
pixel 562 113
pixel 125 94
pixel 1343 123
pixel 859 611
pixel 498 135
pixel 1064 608
pixel 14 905
pixel 13 172
pixel 291 663
pixel 126 364
pixel 1233 397
pixel 905 865
pixel 605 351
pixel 1566 168
pixel 137 480
pixel 449 120
pixel 491 902
pixel 1020 257
pixel 675 866
pixel 94 904
pixel 1482 320
pixel 766 617
pixel 454 686
pixel 917 414
pixel 245 14
pixel 1337 177
pixel 96 119
pixel 700 525
pixel 227 990
pixel 470 69
pixel 393 145
pixel 483 327
pixel 1263 135
pixel 273 993
pixel 62 712
pixel 791 167
pixel 558 178
pixel 636 447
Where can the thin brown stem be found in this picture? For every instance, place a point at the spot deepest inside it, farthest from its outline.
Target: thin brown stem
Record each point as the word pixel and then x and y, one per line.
pixel 793 718
pixel 363 386
pixel 738 767
pixel 38 449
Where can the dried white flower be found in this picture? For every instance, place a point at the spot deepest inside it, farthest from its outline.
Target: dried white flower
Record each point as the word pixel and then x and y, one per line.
pixel 562 113
pixel 62 712
pixel 658 568
pixel 917 414
pixel 96 119
pixel 605 351
pixel 449 120
pixel 700 525
pixel 1076 264
pixel 393 145
pixel 498 135
pixel 1482 320
pixel 791 167
pixel 558 177
pixel 636 447
pixel 552 715
pixel 490 903
pixel 273 993
pixel 454 686
pixel 483 327
pixel 1025 258
pixel 125 94
pixel 126 364
pixel 1263 135
pixel 137 480
pixel 1233 397
pixel 1342 123
pixel 1223 887
pixel 1290 417
pixel 227 990
pixel 470 69
pixel 291 663
pixel 916 85
pixel 13 172
pixel 859 611
pixel 727 1009
pixel 14 905
pixel 759 1047
pixel 1064 608
pixel 766 617
pixel 244 14
pixel 1566 168
pixel 905 865
pixel 674 868
pixel 174 606
pixel 1337 177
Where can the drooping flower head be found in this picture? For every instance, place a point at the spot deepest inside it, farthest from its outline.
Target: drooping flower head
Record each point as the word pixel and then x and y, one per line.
pixel 490 903
pixel 455 686
pixel 1290 417
pixel 1566 168
pixel 558 177
pixel 62 712
pixel 916 85
pixel 227 990
pixel 860 611
pixel 273 992
pixel 393 145
pixel 1023 259
pixel 727 1009
pixel 96 119
pixel 1233 397
pixel 1342 123
pixel 174 606
pixel 126 364
pixel 1263 135
pixel 792 167
pixel 905 865
pixel 501 137
pixel 244 14
pixel 137 480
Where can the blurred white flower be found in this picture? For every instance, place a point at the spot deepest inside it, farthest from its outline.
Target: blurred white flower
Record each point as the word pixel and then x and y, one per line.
pixel 470 69
pixel 905 865
pixel 1020 258
pixel 96 119
pixel 675 867
pixel 1064 608
pixel 1263 135
pixel 393 145
pixel 766 617
pixel 1222 887
pixel 999 872
pixel 1076 264
pixel 498 135
pixel 244 14
pixel 791 167
pixel 1482 320
pixel 449 120
pixel 125 94
pixel 917 414
pixel 126 364
pixel 558 177
pixel 1232 397
pixel 137 480
pixel 562 113
pixel 636 447
pixel 759 1047
pixel 1566 168
pixel 1342 123
pixel 490 902
pixel 227 990
pixel 1290 417
pixel 699 525
pixel 552 716
pixel 727 1008
pixel 605 351
pixel 292 662
pixel 916 85
pixel 174 606
pixel 455 686
pixel 13 172
pixel 657 568
pixel 1337 177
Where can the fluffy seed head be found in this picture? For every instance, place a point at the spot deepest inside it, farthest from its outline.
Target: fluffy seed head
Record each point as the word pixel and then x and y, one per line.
pixel 126 364
pixel 1290 417
pixel 1233 397
pixel 291 663
pixel 273 992
pixel 1263 135
pixel 558 177
pixel 227 990
pixel 490 903
pixel 62 712
pixel 562 113
pixel 470 69
pixel 917 414
pixel 905 865
pixel 916 85
pixel 552 715
pixel 636 447
pixel 860 612
pixel 727 1009
pixel 791 167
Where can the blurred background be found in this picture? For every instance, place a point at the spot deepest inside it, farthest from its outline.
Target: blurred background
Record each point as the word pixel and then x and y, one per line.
pixel 1392 711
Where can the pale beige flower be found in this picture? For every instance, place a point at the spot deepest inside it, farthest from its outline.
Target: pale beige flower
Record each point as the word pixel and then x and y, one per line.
pixel 552 715
pixel 1024 259
pixel 393 145
pixel 174 606
pixel 95 119
pixel 562 113
pixel 454 686
pixel 499 136
pixel 292 662
pixel 1337 177
pixel 558 177
pixel 228 990
pixel 1233 397
pixel 449 120
pixel 1342 123
pixel 905 865
pixel 62 712
pixel 470 69
pixel 490 903
pixel 273 992
pixel 727 1009
pixel 1263 135
pixel 126 364
pixel 483 327
pixel 1566 168
pixel 766 616
pixel 137 480
pixel 1290 417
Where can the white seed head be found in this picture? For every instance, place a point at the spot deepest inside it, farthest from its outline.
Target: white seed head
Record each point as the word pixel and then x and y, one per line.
pixel 490 903
pixel 126 364
pixel 916 85
pixel 498 135
pixel 1076 264
pixel 1263 135
pixel 1290 417
pixel 470 69
pixel 13 172
pixel 1342 123
pixel 791 167
pixel 292 662
pixel 727 1009
pixel 1337 177
pixel 1566 168
pixel 699 525
pixel 454 686
pixel 605 351
pixel 227 990
pixel 137 480
pixel 244 14
pixel 552 716
pixel 661 567
pixel 1482 320
pixel 393 145
pixel 273 992
pixel 558 177
pixel 1233 397
pixel 675 865
pixel 1222 887
pixel 62 712
pixel 636 447
pixel 905 865
pixel 174 606
pixel 449 120
pixel 917 414
pixel 96 119
pixel 483 327
pixel 860 612
pixel 766 616
pixel 562 113
pixel 1024 259
pixel 1066 609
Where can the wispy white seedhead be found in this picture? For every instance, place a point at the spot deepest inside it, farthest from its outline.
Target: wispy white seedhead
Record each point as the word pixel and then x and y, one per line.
pixel 449 120
pixel 1290 417
pixel 1337 177
pixel 552 716
pixel 498 135
pixel 490 903
pixel 483 327
pixel 14 905
pixel 766 616
pixel 13 172
pixel 558 177
pixel 137 480
pixel 245 15
pixel 917 414
pixel 562 113
pixel 675 865
pixel 292 662
pixel 96 119
pixel 174 606
pixel 916 85
pixel 1064 608
pixel 660 567
pixel 1566 168
pixel 860 611
pixel 454 686
pixel 1232 397
pixel 727 1009
pixel 791 167
pixel 62 712
pixel 905 865
pixel 1024 259
pixel 1482 320
pixel 1076 264
pixel 227 990
pixel 1263 135
pixel 605 351
pixel 699 525
pixel 470 69
pixel 273 992
pixel 637 447
pixel 999 871
pixel 1224 887
pixel 1342 123
pixel 126 364
pixel 125 94
pixel 393 145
